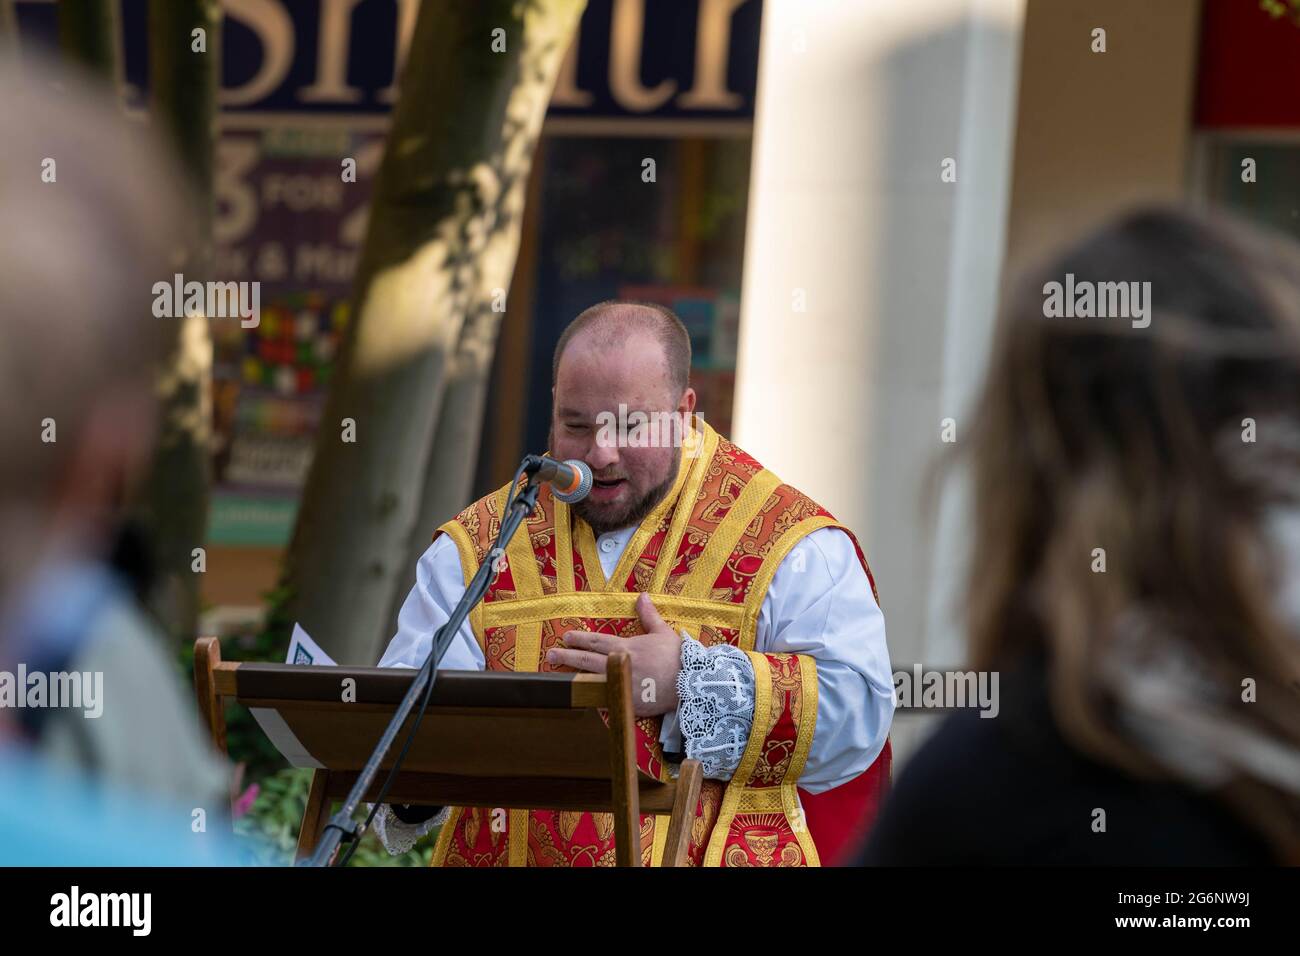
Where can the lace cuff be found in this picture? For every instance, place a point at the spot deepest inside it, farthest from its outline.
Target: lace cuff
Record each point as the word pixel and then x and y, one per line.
pixel 715 688
pixel 398 837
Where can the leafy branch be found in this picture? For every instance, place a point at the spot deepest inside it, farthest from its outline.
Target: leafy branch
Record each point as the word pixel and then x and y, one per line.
pixel 1282 8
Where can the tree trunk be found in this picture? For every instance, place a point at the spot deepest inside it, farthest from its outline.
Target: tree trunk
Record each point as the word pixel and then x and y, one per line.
pixel 88 35
pixel 174 503
pixel 449 474
pixel 8 27
pixel 443 233
pixel 449 477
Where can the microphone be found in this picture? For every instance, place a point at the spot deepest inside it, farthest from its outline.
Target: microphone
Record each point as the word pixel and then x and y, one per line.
pixel 570 480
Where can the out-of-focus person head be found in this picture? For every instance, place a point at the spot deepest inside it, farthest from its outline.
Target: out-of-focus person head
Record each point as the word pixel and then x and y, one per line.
pixel 90 215
pixel 636 357
pixel 1136 481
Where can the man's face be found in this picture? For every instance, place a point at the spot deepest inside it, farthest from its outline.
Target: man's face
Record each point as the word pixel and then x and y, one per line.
pixel 591 380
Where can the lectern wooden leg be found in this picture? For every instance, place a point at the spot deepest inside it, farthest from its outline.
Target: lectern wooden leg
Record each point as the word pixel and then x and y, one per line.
pixel 687 796
pixel 315 816
pixel 207 655
pixel 622 758
pixel 212 706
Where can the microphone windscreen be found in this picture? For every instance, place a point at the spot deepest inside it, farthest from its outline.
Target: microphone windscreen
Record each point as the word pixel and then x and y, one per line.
pixel 583 487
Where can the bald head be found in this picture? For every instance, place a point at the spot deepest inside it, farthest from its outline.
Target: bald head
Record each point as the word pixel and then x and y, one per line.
pixel 616 364
pixel 616 324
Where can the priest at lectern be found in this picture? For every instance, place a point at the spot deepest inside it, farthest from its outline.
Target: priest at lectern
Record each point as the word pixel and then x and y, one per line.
pixel 756 639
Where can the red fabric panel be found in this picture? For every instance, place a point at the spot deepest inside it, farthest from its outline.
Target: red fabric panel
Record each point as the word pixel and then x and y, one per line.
pixel 1249 67
pixel 840 818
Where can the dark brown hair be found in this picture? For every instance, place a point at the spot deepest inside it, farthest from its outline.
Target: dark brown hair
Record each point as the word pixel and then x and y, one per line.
pixel 1160 449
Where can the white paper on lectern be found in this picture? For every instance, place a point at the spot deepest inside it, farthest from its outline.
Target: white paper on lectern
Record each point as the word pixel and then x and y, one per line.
pixel 302 650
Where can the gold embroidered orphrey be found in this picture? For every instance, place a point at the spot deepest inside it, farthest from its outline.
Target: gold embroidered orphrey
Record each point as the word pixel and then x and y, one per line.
pixel 706 555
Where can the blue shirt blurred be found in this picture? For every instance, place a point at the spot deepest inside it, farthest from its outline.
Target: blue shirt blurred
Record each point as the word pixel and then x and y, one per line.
pixel 133 787
pixel 56 816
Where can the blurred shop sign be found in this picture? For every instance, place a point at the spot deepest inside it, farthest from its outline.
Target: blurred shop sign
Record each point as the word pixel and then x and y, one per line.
pixel 678 59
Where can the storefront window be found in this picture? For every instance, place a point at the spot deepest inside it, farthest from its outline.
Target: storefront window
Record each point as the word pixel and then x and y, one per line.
pixel 1268 191
pixel 678 241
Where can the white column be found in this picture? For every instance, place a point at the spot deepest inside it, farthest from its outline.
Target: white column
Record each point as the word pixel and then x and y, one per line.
pixel 870 284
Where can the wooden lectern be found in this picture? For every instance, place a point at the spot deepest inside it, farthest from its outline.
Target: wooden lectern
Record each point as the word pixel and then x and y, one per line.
pixel 523 741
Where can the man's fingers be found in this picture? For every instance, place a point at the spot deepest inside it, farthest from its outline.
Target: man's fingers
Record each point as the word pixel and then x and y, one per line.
pixel 579 660
pixel 587 641
pixel 651 619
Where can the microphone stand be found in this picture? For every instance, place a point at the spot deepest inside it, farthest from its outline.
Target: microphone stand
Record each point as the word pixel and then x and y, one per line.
pixel 341 824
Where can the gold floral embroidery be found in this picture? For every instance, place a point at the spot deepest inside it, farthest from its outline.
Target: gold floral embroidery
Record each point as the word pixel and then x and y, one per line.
pixel 664 553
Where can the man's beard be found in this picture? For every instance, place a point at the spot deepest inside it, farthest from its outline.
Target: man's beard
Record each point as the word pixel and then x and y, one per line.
pixel 635 512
